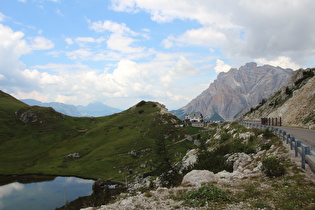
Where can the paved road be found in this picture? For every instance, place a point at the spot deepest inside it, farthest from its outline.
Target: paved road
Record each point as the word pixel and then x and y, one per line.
pixel 305 135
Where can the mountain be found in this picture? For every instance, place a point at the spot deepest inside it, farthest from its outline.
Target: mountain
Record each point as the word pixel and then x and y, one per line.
pixel 39 140
pixel 66 109
pixel 216 118
pixel 294 103
pixel 96 109
pixel 235 91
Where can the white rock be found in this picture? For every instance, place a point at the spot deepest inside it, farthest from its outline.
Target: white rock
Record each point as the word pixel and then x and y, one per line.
pixel 258 167
pixel 199 177
pixel 239 161
pixel 189 159
pixel 246 135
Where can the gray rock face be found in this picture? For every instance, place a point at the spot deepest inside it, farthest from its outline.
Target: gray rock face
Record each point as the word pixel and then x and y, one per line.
pixel 234 92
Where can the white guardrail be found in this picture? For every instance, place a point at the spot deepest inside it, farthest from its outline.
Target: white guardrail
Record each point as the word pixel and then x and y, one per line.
pixel 307 153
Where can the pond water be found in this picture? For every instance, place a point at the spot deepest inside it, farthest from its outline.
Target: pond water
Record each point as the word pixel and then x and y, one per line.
pixel 43 195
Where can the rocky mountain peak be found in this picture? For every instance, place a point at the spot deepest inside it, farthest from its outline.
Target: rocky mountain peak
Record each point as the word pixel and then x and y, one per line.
pixel 235 91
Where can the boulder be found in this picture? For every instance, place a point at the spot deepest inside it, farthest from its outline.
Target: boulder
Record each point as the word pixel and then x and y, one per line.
pixel 238 161
pixel 199 177
pixel 73 155
pixel 246 135
pixel 188 160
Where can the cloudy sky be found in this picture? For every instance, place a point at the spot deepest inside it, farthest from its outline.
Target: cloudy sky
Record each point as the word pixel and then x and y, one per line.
pixel 122 51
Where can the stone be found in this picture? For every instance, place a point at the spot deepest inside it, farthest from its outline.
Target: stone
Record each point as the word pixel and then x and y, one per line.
pixel 188 160
pixel 246 135
pixel 238 161
pixel 73 155
pixel 198 177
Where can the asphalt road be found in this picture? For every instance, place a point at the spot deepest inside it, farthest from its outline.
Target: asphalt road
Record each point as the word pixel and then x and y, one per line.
pixel 305 135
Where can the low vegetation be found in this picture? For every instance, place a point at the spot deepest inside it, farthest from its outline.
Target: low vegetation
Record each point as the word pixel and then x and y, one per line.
pixel 38 140
pixel 202 196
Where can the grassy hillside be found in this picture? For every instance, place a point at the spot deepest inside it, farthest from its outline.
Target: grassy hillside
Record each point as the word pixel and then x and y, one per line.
pixel 37 139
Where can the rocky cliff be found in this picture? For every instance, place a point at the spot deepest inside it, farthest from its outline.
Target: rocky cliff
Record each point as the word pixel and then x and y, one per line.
pixel 295 103
pixel 234 92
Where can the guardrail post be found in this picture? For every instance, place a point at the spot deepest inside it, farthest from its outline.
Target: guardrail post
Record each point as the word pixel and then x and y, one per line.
pixel 296 147
pixel 284 133
pixel 303 157
pixel 288 137
pixel 292 139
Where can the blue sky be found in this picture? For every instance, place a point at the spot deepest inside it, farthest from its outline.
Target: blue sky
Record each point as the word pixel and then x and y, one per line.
pixel 122 51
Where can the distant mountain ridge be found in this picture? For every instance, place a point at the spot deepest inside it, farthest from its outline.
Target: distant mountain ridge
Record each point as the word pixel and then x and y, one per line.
pixel 95 109
pixel 234 92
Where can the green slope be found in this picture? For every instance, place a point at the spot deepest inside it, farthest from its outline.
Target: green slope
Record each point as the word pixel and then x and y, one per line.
pixel 40 143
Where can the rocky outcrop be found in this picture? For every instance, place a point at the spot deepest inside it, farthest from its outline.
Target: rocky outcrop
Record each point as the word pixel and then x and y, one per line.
pixel 238 161
pixel 73 155
pixel 36 114
pixel 234 92
pixel 294 103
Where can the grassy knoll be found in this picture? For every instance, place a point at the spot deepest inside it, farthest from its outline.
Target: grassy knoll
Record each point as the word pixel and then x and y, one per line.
pixel 108 146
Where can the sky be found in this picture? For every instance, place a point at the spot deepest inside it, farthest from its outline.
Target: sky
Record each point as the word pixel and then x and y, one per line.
pixel 120 52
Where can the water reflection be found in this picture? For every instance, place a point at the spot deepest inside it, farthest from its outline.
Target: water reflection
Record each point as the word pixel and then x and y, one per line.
pixel 43 195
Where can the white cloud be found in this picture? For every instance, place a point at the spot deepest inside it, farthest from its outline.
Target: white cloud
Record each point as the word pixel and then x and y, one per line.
pixel 242 29
pixel 41 43
pixel 2 17
pixel 83 41
pixel 32 95
pixel 69 41
pixel 122 43
pixel 79 54
pixel 205 11
pixel 107 25
pixel 58 12
pixel 61 67
pixel 124 85
pixel 12 47
pixel 221 66
pixel 282 61
pixel 200 37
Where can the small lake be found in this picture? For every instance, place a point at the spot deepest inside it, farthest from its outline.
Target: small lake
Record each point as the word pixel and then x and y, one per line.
pixel 44 194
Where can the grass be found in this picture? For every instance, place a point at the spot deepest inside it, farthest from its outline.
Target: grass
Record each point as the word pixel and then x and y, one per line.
pixel 202 196
pixel 39 147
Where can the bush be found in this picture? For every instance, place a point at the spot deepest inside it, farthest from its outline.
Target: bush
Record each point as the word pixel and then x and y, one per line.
pixel 213 160
pixel 141 103
pixel 268 133
pixel 225 137
pixel 272 167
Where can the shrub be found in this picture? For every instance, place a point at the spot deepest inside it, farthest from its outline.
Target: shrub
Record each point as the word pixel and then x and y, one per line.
pixel 266 144
pixel 213 160
pixel 272 167
pixel 268 133
pixel 225 137
pixel 141 103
